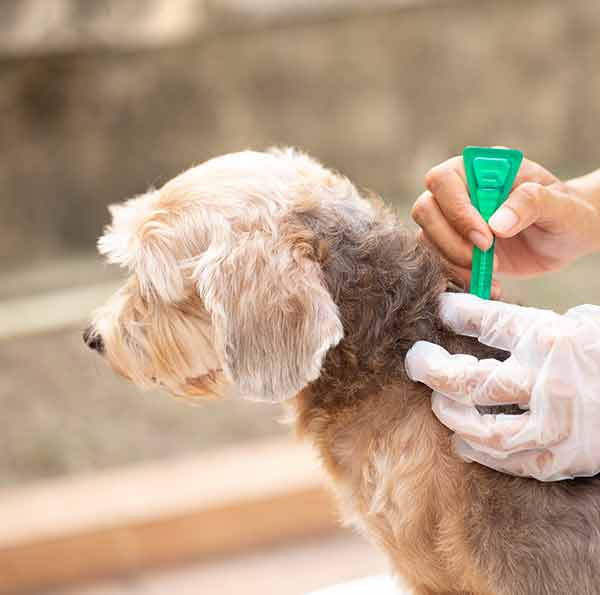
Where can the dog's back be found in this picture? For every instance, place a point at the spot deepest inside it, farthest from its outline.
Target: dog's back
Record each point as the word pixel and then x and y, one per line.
pixel 536 538
pixel 448 527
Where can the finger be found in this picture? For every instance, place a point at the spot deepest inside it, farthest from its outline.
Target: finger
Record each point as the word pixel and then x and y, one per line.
pixel 448 185
pixel 447 241
pixel 466 379
pixel 537 463
pixel 496 324
pixel 496 435
pixel 585 313
pixel 530 171
pixel 502 434
pixel 553 408
pixel 461 275
pixel 531 203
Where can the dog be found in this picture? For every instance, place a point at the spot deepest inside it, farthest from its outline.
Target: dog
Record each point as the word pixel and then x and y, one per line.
pixel 267 276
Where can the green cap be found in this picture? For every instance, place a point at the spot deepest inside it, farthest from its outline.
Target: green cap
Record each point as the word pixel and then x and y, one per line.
pixel 490 176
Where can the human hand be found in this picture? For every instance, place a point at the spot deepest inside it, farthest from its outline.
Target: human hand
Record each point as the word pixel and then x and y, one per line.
pixel 553 372
pixel 543 225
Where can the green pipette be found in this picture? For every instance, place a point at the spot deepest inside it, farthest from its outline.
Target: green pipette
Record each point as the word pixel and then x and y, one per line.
pixel 490 176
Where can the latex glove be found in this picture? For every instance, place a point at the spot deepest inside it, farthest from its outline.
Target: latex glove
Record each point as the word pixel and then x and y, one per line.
pixel 553 371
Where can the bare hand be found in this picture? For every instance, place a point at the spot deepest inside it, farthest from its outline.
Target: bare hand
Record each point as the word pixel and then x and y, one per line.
pixel 543 225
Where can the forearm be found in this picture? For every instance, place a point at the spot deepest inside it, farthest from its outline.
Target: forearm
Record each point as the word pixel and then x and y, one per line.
pixel 586 190
pixel 588 187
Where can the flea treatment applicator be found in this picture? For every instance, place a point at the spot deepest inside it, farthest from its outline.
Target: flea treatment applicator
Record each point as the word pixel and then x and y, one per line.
pixel 490 176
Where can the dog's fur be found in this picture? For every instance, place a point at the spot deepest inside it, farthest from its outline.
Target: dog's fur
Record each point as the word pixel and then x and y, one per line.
pixel 267 276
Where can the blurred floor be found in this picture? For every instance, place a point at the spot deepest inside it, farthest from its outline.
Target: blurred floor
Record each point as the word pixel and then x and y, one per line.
pixel 292 569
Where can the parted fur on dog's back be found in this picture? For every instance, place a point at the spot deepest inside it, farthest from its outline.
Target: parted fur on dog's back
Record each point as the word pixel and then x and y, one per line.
pixel 448 527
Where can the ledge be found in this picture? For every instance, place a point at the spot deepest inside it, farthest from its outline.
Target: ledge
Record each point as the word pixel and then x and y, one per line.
pixel 112 522
pixel 51 311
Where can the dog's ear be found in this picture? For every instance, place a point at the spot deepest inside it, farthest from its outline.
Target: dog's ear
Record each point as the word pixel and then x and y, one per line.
pixel 139 240
pixel 273 318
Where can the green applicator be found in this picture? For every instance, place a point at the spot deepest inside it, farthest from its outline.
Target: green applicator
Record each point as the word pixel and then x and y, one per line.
pixel 490 176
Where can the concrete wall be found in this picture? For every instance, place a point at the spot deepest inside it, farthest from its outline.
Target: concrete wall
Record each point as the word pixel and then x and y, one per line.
pixel 381 97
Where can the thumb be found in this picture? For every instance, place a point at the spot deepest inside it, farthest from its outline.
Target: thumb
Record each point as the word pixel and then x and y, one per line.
pixel 531 203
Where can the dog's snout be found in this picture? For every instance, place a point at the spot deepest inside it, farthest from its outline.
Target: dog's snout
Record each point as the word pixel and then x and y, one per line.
pixel 93 340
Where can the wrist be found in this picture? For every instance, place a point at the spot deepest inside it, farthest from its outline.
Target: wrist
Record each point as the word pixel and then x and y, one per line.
pixel 585 195
pixel 587 186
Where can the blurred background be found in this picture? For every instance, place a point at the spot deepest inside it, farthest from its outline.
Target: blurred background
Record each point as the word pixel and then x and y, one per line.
pixel 101 99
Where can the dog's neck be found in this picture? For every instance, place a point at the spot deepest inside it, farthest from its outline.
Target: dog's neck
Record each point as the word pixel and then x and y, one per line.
pixel 386 286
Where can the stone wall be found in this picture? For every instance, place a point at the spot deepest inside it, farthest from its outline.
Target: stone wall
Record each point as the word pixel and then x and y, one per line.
pixel 379 96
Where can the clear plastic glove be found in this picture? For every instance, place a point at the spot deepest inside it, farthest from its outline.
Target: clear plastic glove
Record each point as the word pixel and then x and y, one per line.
pixel 553 372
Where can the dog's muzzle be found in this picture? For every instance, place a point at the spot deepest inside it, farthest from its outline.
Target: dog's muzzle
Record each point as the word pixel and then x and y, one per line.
pixel 93 340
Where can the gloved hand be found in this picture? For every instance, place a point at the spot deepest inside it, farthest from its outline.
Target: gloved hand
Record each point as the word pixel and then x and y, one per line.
pixel 553 372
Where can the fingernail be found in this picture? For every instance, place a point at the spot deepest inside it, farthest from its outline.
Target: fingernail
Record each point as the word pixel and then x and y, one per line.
pixel 482 242
pixel 496 291
pixel 503 220
pixel 496 263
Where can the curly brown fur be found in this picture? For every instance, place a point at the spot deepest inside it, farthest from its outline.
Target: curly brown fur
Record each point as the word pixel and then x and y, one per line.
pixel 442 522
pixel 271 277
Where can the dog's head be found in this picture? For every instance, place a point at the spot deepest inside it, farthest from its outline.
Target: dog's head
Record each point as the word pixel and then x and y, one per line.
pixel 226 293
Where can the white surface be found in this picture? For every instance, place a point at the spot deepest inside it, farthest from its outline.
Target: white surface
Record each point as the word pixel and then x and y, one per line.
pixel 373 585
pixel 295 568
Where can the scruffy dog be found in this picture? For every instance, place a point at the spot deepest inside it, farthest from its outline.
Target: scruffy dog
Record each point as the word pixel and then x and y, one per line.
pixel 267 276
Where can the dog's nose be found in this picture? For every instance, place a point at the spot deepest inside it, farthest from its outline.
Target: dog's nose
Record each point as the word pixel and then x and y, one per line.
pixel 93 340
